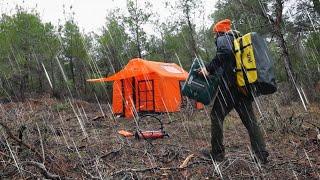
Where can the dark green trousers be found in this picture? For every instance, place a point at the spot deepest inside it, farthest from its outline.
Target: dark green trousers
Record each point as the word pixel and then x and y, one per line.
pixel 226 100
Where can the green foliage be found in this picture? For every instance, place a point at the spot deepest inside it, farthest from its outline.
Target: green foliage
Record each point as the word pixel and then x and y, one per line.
pixel 313 43
pixel 74 42
pixel 113 46
pixel 24 37
pixel 155 49
pixel 137 18
pixel 278 65
pixel 244 15
pixel 61 106
pixel 178 47
pixel 310 60
pixel 30 49
pixel 76 47
pixel 26 44
pixel 206 44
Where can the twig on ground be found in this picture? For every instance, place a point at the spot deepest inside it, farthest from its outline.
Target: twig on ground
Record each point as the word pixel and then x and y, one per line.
pixel 31 148
pixel 4 154
pixel 107 154
pixel 42 169
pixel 8 172
pixel 229 165
pixel 286 162
pixel 313 125
pixel 69 118
pixel 111 152
pixel 89 175
pixel 186 161
pixel 97 117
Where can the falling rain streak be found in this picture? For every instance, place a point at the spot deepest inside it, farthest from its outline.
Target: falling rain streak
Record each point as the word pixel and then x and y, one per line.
pixel 51 108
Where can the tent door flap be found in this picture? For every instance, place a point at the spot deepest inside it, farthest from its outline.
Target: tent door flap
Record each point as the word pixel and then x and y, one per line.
pixel 146 96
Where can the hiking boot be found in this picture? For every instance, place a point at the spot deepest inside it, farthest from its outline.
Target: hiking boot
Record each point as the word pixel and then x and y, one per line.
pixel 215 156
pixel 262 156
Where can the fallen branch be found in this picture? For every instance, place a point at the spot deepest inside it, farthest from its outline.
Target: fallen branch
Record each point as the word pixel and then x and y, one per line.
pixel 89 175
pixel 157 168
pixel 286 162
pixel 4 154
pixel 8 172
pixel 316 126
pixel 69 118
pixel 186 161
pixel 19 141
pixel 111 152
pixel 107 154
pixel 229 165
pixel 42 169
pixel 97 117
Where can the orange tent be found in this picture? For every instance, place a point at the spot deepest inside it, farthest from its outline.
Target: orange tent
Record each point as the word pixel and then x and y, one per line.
pixel 146 86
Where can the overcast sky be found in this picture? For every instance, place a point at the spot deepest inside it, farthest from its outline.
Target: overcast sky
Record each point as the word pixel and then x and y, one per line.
pixel 90 14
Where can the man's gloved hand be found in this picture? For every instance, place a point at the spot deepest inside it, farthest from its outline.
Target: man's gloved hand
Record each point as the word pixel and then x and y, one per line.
pixel 203 71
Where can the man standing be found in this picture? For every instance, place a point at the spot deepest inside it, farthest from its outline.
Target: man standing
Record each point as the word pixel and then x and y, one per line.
pixel 230 96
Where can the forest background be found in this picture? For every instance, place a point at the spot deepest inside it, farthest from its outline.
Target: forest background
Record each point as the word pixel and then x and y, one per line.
pixel 42 58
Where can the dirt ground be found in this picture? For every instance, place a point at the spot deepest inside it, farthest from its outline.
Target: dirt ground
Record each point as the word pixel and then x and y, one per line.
pixel 80 140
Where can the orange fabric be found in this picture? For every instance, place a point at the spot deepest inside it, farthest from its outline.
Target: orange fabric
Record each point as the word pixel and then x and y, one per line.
pixel 146 86
pixel 117 94
pixel 125 133
pixel 128 99
pixel 199 105
pixel 222 26
pixel 172 99
pixel 140 67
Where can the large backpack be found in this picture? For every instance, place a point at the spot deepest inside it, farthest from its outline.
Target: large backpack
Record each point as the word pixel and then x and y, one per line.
pixel 254 64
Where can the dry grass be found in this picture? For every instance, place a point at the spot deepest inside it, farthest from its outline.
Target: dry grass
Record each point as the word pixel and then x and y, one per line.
pixel 78 144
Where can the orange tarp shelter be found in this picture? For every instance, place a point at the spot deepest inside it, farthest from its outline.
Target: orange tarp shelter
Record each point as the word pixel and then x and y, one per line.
pixel 146 86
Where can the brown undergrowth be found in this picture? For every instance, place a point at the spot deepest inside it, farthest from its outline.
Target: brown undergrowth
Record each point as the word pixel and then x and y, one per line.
pixel 73 139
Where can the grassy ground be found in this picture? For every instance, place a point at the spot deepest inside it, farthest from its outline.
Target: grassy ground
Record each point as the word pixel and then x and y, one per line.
pixel 78 142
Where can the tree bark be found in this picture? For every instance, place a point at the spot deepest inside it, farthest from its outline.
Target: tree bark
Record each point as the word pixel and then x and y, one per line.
pixel 163 48
pixel 282 43
pixel 40 88
pixel 72 70
pixel 138 42
pixel 287 61
pixel 191 34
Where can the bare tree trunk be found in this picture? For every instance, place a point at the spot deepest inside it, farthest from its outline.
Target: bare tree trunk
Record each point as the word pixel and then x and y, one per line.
pixel 287 60
pixel 138 42
pixel 163 48
pixel 40 78
pixel 282 43
pixel 72 70
pixel 53 90
pixel 207 55
pixel 23 86
pixel 193 42
pixel 114 59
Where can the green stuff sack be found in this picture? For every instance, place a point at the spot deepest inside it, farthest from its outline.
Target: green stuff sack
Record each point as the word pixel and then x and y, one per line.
pixel 198 87
pixel 254 64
